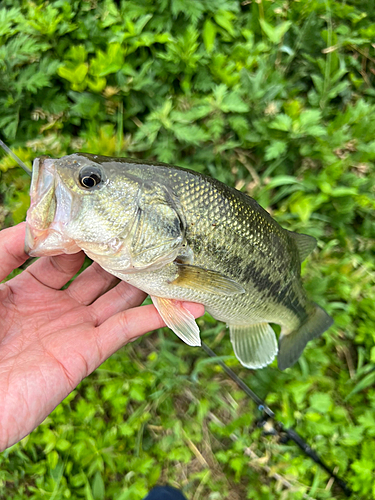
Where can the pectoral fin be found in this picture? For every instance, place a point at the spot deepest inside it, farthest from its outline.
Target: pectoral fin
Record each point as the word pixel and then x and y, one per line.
pixel 255 346
pixel 179 319
pixel 206 281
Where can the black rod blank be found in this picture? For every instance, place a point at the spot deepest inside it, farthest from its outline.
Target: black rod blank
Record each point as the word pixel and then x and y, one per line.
pixel 285 434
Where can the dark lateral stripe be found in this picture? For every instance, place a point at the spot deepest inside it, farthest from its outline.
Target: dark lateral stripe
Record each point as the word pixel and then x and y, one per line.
pixel 272 289
pixel 233 262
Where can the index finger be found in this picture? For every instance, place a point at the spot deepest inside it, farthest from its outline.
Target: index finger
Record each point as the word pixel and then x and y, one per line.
pixel 12 251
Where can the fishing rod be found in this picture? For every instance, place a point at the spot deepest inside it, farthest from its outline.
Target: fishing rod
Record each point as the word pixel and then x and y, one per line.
pixel 269 423
pixel 15 158
pixel 274 427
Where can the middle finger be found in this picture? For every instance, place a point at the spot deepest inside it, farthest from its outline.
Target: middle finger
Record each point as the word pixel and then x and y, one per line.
pixel 91 284
pixel 121 297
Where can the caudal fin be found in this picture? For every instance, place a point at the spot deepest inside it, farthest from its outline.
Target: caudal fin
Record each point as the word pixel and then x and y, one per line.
pixel 292 344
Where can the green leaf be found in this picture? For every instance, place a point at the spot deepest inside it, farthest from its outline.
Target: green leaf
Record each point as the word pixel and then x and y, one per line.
pixel 303 207
pixel 96 84
pixel 282 180
pixel 8 19
pixel 224 19
pixel 232 102
pixel 86 105
pixel 310 117
pixel 98 488
pixel 209 34
pixel 192 10
pixel 108 62
pixel 275 34
pixel 74 74
pixel 352 435
pixel 275 149
pixel 191 134
pixel 137 393
pixel 281 122
pixel 63 444
pixel 53 459
pixel 77 53
pixel 367 381
pixel 88 491
pixel 321 402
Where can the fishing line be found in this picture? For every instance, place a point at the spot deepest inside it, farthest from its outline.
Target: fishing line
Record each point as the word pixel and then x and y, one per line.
pixel 15 157
pixel 274 427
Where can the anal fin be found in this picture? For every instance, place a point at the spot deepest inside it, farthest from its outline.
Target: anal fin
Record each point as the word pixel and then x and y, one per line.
pixel 255 346
pixel 178 319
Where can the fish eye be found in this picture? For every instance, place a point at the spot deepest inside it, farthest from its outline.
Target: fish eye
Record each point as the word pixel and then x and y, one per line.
pixel 90 177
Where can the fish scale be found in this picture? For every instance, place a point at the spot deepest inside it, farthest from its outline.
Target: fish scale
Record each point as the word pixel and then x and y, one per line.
pixel 183 236
pixel 239 239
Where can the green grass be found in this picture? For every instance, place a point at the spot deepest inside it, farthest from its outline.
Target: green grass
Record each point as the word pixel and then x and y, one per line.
pixel 275 98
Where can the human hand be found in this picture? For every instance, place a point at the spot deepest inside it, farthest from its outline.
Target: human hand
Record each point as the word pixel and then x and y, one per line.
pixel 50 339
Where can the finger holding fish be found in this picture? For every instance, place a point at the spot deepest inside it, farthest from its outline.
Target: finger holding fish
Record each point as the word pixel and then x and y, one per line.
pixel 121 297
pixel 92 283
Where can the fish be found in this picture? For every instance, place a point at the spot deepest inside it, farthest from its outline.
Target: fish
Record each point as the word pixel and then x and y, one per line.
pixel 179 235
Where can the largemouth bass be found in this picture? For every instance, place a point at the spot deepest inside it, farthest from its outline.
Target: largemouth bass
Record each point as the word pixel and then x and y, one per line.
pixel 180 236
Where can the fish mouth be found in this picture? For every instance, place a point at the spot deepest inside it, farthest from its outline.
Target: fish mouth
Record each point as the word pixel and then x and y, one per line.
pixel 49 213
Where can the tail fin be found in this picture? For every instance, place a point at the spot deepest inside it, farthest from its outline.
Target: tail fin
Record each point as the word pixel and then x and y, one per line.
pixel 292 344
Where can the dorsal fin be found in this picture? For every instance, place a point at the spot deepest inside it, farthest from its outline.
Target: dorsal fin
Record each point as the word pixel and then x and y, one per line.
pixel 305 244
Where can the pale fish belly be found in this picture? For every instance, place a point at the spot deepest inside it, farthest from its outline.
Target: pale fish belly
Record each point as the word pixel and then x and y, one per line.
pixel 241 309
pixel 247 314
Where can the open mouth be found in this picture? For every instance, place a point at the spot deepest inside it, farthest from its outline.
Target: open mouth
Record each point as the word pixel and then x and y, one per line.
pixel 49 212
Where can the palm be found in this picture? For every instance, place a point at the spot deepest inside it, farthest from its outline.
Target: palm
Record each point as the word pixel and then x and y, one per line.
pixel 50 339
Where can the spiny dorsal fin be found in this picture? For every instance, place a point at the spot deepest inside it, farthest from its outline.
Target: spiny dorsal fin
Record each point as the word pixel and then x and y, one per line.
pixel 305 244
